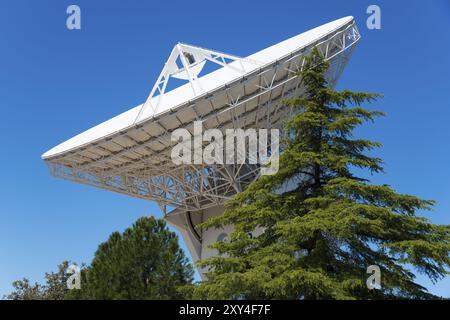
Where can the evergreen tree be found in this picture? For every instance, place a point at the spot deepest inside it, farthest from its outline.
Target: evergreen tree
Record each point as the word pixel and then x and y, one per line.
pixel 144 262
pixel 328 225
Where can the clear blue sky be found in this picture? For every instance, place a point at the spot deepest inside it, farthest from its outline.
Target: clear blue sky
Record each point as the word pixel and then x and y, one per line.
pixel 55 83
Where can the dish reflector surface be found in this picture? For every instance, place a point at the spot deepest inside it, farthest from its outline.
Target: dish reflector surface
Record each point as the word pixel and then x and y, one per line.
pixel 130 153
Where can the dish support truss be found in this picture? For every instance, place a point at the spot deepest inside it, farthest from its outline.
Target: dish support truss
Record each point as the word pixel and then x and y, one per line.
pixel 186 62
pixel 140 165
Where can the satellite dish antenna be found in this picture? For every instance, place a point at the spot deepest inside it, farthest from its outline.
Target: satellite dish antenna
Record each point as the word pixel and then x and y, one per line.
pixel 131 153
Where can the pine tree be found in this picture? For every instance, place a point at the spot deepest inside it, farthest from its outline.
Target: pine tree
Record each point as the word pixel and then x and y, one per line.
pixel 328 225
pixel 144 262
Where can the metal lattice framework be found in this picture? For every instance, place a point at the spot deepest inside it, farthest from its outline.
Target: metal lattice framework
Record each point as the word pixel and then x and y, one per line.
pixel 137 162
pixel 186 62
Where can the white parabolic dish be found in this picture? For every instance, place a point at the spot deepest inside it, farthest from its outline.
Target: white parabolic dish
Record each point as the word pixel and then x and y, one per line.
pixel 130 152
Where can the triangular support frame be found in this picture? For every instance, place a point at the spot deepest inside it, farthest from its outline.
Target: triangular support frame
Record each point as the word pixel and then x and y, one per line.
pixel 192 60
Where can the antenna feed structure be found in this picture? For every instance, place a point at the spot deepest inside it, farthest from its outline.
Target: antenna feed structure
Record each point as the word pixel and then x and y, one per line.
pixel 185 62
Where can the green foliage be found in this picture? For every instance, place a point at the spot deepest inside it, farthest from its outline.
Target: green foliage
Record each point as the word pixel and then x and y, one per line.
pixel 328 225
pixel 55 287
pixel 144 262
pixel 23 290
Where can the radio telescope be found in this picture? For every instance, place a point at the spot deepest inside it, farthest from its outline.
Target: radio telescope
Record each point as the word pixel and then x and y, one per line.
pixel 131 153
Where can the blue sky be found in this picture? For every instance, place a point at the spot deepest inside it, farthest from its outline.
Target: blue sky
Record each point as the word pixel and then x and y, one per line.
pixel 55 83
